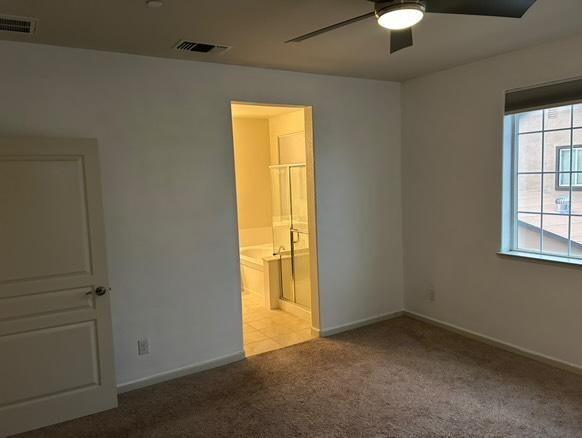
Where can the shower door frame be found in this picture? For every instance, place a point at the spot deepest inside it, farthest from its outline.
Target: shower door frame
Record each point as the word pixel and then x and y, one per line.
pixel 292 230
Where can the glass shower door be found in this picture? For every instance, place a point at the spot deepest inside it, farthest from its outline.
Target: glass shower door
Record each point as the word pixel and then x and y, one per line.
pixel 281 221
pixel 299 235
pixel 290 231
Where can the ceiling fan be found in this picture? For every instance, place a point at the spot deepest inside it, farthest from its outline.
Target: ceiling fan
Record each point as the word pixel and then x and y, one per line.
pixel 400 15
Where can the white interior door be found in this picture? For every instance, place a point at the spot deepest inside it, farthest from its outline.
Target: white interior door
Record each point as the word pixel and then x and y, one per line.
pixel 56 356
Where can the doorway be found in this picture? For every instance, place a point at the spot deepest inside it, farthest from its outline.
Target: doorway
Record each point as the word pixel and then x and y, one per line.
pixel 273 154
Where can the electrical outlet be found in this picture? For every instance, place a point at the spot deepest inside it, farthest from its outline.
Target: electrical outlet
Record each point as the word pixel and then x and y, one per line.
pixel 431 294
pixel 143 347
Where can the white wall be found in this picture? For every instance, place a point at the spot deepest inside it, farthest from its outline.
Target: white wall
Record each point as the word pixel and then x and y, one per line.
pixel 252 152
pixel 285 124
pixel 452 207
pixel 165 137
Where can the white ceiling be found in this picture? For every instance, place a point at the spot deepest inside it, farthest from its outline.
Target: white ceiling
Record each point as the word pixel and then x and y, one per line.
pixel 256 30
pixel 258 111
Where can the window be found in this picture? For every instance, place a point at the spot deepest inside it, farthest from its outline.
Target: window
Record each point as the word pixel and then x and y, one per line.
pixel 543 183
pixel 563 154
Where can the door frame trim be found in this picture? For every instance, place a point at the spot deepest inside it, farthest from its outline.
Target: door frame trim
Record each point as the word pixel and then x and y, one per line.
pixel 311 202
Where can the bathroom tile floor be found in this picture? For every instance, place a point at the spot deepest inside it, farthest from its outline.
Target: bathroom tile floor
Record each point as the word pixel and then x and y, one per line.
pixel 266 330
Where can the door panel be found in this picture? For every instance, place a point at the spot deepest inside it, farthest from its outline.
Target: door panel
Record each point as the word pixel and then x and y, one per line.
pixel 290 231
pixel 298 184
pixel 46 303
pixel 55 332
pixel 302 279
pixel 44 225
pixel 300 235
pixel 44 369
pixel 287 281
pixel 280 207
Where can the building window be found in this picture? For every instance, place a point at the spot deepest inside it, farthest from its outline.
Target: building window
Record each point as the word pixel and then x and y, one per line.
pixel 543 183
pixel 563 165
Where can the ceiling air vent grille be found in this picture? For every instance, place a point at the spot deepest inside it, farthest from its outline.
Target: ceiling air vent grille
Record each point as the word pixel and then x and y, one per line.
pixel 191 46
pixel 20 25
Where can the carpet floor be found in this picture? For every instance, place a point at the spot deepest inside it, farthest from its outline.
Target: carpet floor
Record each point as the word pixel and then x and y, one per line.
pixel 399 378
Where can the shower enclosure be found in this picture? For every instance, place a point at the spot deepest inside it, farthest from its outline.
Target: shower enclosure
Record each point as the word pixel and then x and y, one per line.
pixel 290 231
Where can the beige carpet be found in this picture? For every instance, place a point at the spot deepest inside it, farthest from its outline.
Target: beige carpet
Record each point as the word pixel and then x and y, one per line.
pixel 397 378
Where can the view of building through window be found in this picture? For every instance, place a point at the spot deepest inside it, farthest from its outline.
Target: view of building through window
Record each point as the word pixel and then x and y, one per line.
pixel 547 181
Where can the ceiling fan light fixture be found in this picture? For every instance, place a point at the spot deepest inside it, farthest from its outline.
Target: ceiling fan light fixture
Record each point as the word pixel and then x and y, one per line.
pixel 401 15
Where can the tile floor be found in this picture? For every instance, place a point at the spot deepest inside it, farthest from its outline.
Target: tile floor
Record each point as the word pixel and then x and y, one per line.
pixel 266 330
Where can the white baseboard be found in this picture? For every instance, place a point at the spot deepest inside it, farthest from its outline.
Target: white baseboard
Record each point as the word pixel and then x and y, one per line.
pixel 179 372
pixel 497 343
pixel 359 323
pixel 295 310
pixel 224 360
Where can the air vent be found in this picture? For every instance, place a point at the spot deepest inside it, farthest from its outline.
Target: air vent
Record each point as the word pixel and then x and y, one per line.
pixel 20 25
pixel 191 46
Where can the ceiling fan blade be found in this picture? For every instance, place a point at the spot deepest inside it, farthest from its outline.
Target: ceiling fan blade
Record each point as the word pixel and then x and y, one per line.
pixel 330 28
pixel 492 8
pixel 400 39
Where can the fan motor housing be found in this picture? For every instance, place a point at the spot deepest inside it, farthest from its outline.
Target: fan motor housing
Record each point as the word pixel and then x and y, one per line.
pixel 381 8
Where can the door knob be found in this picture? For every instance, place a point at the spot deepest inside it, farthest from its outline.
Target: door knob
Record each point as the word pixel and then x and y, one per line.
pixel 99 291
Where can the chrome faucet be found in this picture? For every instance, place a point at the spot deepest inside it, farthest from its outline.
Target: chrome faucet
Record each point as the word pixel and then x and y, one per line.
pixel 278 252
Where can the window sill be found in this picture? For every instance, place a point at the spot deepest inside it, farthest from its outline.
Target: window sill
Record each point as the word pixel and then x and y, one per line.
pixel 541 258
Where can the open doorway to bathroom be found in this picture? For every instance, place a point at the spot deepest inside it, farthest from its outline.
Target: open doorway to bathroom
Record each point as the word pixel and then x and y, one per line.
pixel 273 154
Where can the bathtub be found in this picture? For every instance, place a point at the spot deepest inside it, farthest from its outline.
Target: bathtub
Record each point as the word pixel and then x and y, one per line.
pixel 252 267
pixel 260 273
pixel 253 255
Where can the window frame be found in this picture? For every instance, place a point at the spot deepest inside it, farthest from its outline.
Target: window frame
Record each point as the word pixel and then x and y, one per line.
pixel 510 171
